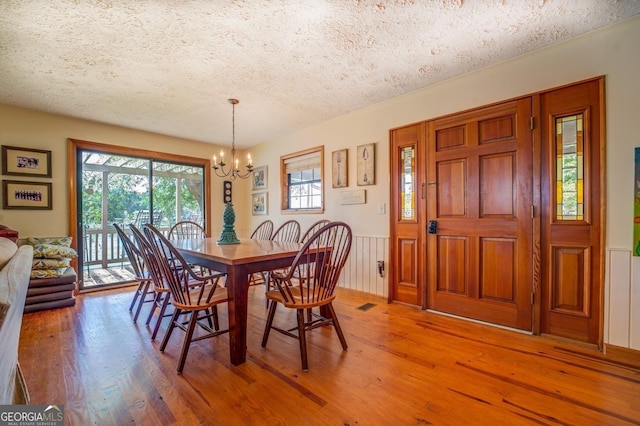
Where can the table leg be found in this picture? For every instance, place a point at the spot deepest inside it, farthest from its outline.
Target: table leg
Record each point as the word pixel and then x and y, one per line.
pixel 238 289
pixel 325 312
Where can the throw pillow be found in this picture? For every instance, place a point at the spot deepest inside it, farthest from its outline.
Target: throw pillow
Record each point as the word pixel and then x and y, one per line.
pixel 47 273
pixel 40 263
pixel 57 241
pixel 50 251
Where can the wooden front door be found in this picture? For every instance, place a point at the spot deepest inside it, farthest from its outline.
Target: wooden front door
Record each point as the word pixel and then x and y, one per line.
pixel 479 214
pixel 571 225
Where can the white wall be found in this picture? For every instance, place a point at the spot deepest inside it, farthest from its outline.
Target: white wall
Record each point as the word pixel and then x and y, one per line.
pixel 612 52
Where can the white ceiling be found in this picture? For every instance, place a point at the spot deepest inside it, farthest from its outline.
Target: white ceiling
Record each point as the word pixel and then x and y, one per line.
pixel 169 66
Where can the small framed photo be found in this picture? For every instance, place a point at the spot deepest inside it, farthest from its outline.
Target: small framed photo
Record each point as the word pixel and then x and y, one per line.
pixel 366 160
pixel 226 192
pixel 339 169
pixel 26 195
pixel 26 162
pixel 259 203
pixel 259 178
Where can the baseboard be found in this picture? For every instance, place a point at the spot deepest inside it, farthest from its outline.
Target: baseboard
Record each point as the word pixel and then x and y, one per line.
pixel 626 355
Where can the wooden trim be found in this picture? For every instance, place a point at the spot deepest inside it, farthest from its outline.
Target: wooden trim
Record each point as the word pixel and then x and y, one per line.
pixel 536 206
pixel 515 98
pixel 630 356
pixel 603 206
pixel 283 181
pixel 72 201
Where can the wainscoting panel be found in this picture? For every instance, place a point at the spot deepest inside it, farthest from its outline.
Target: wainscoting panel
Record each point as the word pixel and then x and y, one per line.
pixel 622 299
pixel 622 288
pixel 634 297
pixel 361 271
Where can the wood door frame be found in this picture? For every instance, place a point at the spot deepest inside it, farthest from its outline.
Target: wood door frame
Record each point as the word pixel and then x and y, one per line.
pixel 537 251
pixel 537 208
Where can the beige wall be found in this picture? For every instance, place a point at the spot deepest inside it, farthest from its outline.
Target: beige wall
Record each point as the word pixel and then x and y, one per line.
pixel 611 52
pixel 31 129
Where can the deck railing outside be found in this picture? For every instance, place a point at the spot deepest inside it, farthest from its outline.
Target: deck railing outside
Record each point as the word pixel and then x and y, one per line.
pixel 103 248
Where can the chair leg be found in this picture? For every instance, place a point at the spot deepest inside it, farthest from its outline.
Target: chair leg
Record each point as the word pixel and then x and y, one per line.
pixel 187 340
pixel 157 299
pixel 143 297
pixel 216 321
pixel 135 296
pixel 302 339
pixel 336 325
pixel 267 328
pixel 163 309
pixel 172 325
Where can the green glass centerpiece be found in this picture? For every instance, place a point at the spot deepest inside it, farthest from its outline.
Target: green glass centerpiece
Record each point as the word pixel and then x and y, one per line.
pixel 228 235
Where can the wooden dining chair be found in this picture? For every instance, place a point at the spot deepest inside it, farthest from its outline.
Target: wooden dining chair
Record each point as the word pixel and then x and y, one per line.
pixel 194 297
pixel 262 232
pixel 288 232
pixel 162 298
pixel 313 229
pixel 144 292
pixel 305 237
pixel 186 230
pixel 327 252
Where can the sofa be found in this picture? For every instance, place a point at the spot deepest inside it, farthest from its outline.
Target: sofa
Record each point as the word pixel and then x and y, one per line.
pixel 14 281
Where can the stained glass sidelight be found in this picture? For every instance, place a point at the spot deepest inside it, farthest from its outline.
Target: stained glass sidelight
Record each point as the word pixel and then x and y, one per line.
pixel 570 168
pixel 407 183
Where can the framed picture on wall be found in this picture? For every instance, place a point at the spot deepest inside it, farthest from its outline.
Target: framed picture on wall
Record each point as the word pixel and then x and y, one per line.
pixel 26 162
pixel 339 169
pixel 26 195
pixel 366 160
pixel 259 203
pixel 259 178
pixel 226 191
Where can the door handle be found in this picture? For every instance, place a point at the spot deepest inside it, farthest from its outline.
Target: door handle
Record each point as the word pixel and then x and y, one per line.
pixel 433 227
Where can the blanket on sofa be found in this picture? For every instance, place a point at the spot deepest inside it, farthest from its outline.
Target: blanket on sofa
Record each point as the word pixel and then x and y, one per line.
pixel 14 282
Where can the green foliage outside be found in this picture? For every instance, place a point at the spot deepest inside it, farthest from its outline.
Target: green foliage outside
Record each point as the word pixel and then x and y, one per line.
pixel 128 194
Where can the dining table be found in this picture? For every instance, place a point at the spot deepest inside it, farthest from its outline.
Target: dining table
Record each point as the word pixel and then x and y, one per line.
pixel 238 262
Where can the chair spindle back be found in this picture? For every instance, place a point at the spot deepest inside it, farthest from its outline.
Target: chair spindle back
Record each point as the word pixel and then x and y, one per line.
pixel 263 231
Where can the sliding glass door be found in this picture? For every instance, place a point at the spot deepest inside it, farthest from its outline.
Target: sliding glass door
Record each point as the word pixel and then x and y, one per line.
pixel 123 189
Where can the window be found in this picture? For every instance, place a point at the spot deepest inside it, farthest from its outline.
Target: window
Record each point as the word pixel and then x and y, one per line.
pixel 569 168
pixel 302 175
pixel 407 183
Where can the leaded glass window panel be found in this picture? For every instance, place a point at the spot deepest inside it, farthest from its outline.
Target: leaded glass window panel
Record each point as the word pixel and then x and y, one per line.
pixel 570 168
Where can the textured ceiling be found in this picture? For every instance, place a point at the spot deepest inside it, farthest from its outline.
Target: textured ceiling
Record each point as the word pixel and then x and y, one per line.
pixel 169 66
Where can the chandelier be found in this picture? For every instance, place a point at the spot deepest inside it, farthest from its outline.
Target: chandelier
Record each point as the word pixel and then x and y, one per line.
pixel 233 171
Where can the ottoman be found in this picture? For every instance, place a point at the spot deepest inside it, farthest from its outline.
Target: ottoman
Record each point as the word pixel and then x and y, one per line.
pixel 49 293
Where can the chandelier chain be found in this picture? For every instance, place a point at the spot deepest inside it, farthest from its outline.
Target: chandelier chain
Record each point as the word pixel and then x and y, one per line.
pixel 219 166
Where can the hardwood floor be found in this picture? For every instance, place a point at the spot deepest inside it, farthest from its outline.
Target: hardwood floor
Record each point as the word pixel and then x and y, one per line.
pixel 403 367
